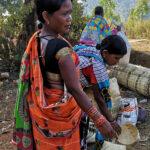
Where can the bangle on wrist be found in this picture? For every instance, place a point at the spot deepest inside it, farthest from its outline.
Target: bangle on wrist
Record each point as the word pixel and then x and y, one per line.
pixel 95 115
pixel 99 122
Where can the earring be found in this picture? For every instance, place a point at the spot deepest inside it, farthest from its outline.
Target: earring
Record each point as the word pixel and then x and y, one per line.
pixel 48 22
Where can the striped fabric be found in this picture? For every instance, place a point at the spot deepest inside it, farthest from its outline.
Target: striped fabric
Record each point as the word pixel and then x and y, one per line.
pixel 99 67
pixel 85 53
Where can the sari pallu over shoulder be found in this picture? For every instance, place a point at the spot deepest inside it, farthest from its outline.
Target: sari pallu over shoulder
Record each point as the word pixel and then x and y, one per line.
pixel 34 120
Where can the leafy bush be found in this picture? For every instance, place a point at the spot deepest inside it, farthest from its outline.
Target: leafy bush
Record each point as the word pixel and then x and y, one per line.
pixel 11 25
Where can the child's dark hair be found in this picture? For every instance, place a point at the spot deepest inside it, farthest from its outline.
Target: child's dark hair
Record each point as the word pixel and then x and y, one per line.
pixel 50 6
pixel 99 10
pixel 114 44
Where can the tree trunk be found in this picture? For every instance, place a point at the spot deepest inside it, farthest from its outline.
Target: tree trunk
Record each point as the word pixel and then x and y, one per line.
pixel 26 33
pixel 28 28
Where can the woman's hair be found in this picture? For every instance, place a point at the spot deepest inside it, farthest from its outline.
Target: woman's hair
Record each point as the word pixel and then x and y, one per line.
pixel 99 10
pixel 50 6
pixel 114 44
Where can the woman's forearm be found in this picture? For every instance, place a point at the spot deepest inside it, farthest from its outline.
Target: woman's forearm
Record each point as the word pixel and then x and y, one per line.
pixel 81 99
pixel 101 103
pixel 104 110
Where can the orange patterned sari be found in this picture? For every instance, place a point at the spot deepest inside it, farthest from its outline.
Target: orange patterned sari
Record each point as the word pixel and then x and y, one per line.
pixel 55 122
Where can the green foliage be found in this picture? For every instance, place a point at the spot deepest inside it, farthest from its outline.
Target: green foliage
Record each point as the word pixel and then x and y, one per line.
pixel 135 26
pixel 109 7
pixel 78 23
pixel 138 29
pixel 141 10
pixel 11 26
pixel 17 11
pixel 131 15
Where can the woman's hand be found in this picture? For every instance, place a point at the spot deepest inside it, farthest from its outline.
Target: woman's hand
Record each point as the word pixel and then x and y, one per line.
pixel 101 123
pixel 116 127
pixel 107 131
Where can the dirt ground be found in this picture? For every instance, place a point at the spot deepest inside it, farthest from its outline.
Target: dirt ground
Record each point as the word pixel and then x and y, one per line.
pixel 140 45
pixel 140 54
pixel 8 91
pixel 7 100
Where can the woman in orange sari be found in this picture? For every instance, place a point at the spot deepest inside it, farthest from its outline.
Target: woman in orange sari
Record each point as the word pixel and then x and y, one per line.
pixel 50 99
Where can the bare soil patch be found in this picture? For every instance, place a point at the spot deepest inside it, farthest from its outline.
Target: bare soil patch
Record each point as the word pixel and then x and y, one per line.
pixel 7 100
pixel 140 45
pixel 140 53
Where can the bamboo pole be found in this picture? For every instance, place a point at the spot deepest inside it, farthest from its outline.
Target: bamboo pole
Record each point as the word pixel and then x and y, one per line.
pixel 136 78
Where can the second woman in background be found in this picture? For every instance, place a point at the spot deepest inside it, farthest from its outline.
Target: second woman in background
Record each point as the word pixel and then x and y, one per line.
pixel 93 73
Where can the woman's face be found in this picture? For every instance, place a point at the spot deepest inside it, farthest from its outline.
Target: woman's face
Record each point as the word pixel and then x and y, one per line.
pixel 111 59
pixel 60 21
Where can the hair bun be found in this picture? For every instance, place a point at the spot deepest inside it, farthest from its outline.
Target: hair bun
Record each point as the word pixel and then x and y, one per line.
pixel 98 46
pixel 40 25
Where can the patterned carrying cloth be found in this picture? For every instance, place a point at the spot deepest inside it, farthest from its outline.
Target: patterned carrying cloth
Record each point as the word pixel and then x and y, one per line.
pixel 95 31
pixel 88 54
pixel 38 125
